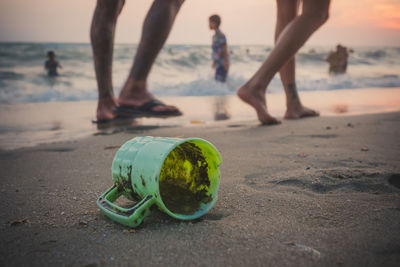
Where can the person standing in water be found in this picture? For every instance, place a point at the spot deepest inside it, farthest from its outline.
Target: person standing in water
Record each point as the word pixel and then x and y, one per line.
pixel 338 60
pixel 291 32
pixel 52 64
pixel 220 55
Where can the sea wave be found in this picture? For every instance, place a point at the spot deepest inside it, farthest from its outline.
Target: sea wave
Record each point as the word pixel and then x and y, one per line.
pixel 180 70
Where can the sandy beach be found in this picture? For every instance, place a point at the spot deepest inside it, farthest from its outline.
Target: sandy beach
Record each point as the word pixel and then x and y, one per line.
pixel 314 192
pixel 78 78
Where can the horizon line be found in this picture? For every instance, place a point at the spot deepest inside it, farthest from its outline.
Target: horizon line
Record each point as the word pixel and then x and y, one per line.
pixel 194 44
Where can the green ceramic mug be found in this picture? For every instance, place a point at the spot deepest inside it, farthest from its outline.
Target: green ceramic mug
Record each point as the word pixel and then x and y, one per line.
pixel 180 176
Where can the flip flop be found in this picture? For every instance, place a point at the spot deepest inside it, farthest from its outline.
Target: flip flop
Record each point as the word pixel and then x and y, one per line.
pixel 145 110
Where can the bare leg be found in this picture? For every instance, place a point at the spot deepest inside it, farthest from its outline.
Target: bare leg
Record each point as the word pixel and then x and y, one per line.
pixel 102 39
pixel 286 12
pixel 294 35
pixel 156 28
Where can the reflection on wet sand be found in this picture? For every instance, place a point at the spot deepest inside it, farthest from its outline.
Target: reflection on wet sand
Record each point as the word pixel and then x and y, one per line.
pixel 221 108
pixel 118 122
pixel 340 108
pixel 127 125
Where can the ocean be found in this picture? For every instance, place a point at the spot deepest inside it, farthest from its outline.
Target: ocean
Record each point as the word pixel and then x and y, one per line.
pixel 180 70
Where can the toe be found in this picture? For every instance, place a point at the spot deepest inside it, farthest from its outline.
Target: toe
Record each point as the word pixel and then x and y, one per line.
pixel 309 113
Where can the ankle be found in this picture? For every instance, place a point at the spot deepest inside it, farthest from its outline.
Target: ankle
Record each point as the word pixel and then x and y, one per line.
pixel 133 87
pixel 293 104
pixel 255 87
pixel 136 83
pixel 105 95
pixel 106 102
pixel 140 85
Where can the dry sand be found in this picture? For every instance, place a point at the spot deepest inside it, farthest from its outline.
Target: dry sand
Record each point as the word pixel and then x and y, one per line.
pixel 316 192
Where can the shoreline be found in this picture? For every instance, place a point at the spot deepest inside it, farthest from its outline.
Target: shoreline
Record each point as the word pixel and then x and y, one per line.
pixel 23 125
pixel 314 192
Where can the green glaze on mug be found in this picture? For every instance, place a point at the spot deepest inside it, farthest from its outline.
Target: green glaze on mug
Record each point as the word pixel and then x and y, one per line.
pixel 180 176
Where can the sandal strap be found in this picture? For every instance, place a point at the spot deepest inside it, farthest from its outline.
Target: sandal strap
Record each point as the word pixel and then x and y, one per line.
pixel 148 106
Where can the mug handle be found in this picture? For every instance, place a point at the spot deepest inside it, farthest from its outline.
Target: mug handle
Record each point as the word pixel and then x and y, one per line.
pixel 131 217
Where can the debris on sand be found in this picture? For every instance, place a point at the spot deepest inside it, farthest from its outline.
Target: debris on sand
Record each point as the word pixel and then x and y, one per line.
pixel 83 223
pixel 19 222
pixel 314 253
pixel 197 122
pixel 131 231
pixel 111 147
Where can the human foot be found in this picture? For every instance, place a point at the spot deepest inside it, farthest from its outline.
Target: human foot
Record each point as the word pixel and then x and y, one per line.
pixel 299 111
pixel 105 109
pixel 134 94
pixel 256 99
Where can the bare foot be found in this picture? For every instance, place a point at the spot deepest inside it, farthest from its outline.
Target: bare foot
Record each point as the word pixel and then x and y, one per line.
pixel 256 99
pixel 135 94
pixel 299 111
pixel 105 109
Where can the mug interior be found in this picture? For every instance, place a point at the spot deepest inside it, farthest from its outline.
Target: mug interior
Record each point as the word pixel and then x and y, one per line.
pixel 189 178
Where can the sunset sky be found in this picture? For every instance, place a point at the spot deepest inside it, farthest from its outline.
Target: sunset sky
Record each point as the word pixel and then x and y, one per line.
pixel 357 22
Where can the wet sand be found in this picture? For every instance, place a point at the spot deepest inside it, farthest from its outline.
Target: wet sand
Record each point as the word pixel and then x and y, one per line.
pixel 23 125
pixel 316 192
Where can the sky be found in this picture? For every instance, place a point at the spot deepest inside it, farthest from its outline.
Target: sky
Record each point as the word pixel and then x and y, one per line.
pixel 356 22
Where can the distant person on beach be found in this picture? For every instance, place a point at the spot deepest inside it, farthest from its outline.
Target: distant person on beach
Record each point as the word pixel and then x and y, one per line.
pixel 291 32
pixel 135 98
pixel 52 64
pixel 338 60
pixel 220 55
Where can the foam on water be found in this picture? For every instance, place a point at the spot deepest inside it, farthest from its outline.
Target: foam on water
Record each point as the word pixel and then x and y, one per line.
pixel 180 70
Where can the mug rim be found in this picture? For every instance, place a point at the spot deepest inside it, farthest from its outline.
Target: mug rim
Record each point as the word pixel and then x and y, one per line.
pixel 160 201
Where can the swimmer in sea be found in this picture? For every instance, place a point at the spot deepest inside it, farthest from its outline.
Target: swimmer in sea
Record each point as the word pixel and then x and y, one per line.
pixel 52 64
pixel 338 60
pixel 291 32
